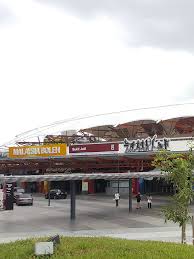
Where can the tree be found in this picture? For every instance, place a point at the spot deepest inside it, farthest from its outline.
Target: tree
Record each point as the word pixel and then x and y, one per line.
pixel 179 172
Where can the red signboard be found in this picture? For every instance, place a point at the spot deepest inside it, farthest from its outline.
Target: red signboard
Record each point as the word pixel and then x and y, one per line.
pixel 108 147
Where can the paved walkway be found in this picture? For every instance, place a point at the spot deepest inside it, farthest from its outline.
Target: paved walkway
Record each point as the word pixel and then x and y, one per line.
pixel 96 216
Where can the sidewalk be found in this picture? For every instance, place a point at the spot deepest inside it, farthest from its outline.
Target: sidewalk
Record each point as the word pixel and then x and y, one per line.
pixel 96 215
pixel 169 234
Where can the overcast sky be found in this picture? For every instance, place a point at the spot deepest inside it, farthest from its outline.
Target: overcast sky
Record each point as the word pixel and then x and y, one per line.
pixel 67 58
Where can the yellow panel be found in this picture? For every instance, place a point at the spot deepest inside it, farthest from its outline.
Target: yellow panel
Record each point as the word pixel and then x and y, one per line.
pixel 52 150
pixel 46 186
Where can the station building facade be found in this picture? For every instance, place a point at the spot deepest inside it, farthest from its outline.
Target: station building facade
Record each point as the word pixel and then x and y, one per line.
pixel 128 147
pixel 115 157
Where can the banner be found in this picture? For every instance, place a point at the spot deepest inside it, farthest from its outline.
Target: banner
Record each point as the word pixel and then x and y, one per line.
pixel 1 198
pixel 94 148
pixel 52 150
pixel 84 186
pixel 9 197
pixel 155 144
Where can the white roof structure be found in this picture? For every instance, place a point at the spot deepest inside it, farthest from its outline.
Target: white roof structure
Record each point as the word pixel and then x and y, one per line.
pixel 157 114
pixel 80 176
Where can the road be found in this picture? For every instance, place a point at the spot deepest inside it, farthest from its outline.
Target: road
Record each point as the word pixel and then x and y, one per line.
pixel 95 216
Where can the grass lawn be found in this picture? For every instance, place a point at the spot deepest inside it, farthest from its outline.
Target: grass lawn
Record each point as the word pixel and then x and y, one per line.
pixel 99 248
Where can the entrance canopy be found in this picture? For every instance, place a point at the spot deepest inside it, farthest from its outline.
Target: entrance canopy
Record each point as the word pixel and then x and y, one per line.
pixel 80 176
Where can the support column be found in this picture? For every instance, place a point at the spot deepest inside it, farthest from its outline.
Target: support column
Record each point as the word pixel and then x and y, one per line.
pixel 72 193
pixel 49 193
pixel 91 188
pixel 130 195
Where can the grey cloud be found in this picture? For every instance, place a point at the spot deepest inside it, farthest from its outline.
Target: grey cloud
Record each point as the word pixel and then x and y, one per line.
pixel 6 16
pixel 157 23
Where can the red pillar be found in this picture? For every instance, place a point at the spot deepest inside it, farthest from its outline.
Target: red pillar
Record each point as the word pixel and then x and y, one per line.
pixel 24 185
pixel 91 186
pixel 135 185
pixel 41 187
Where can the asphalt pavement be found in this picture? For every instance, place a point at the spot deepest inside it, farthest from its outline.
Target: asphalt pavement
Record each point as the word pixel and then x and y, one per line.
pixel 96 215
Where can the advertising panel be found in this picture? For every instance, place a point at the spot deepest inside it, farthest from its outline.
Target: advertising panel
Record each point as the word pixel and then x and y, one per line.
pixel 9 198
pixel 145 144
pixel 94 148
pixel 1 198
pixel 154 144
pixel 51 150
pixel 84 186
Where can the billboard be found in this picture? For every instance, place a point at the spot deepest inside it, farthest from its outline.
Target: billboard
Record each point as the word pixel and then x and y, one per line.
pixel 9 198
pixel 51 150
pixel 154 144
pixel 82 149
pixel 1 198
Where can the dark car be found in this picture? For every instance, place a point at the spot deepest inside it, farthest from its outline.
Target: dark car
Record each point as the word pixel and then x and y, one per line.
pixel 56 194
pixel 24 199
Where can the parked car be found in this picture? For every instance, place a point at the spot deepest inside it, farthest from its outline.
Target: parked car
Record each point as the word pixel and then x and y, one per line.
pixel 17 191
pixel 24 199
pixel 56 194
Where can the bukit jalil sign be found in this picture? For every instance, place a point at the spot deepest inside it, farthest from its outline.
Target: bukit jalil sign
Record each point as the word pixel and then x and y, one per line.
pixel 147 144
pixel 53 150
pixel 94 148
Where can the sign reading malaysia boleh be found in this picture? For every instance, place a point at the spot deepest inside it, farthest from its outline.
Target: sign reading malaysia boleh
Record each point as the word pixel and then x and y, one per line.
pixel 52 150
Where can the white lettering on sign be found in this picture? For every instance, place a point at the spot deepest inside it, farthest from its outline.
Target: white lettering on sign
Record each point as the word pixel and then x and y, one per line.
pixel 112 147
pixel 15 152
pixel 36 151
pixel 78 149
pixel 54 150
pixel 147 144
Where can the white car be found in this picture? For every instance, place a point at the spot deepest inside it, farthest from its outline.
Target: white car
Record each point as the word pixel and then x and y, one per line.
pixel 17 191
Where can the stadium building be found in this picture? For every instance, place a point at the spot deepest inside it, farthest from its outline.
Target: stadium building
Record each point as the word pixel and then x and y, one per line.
pixel 126 147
